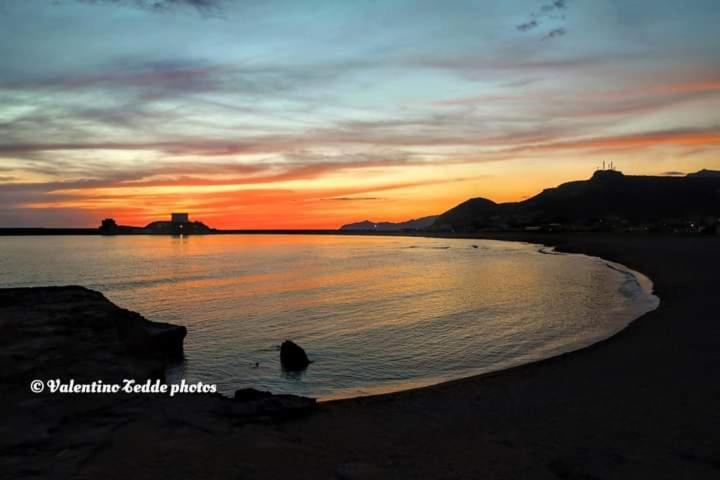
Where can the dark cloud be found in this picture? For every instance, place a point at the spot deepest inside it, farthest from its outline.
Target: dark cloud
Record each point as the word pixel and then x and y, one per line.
pixel 455 128
pixel 556 32
pixel 549 8
pixel 146 97
pixel 203 6
pixel 552 12
pixel 142 101
pixel 524 27
pixel 156 80
pixel 476 68
pixel 673 173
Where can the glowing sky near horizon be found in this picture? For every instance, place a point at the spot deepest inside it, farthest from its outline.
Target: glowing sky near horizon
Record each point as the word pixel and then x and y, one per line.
pixel 311 114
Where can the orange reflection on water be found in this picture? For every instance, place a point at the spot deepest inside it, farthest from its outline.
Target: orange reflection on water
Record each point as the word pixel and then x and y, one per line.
pixel 375 313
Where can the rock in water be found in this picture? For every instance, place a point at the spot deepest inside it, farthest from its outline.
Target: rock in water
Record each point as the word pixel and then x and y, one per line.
pixel 292 356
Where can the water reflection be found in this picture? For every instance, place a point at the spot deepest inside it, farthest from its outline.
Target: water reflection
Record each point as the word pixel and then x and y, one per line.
pixel 374 313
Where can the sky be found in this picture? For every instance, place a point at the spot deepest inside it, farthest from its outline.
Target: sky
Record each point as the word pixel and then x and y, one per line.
pixel 312 114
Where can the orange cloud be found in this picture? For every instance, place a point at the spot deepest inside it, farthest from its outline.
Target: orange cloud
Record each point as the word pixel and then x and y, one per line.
pixel 671 138
pixel 663 89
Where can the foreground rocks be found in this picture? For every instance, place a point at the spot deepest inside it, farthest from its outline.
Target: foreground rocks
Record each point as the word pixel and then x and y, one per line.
pixel 75 333
pixel 257 403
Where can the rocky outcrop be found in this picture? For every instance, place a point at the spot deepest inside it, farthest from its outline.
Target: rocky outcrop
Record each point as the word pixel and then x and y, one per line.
pixel 258 404
pixel 293 357
pixel 144 337
pixel 250 395
pixel 74 332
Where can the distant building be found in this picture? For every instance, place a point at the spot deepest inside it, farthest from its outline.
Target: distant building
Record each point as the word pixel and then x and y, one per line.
pixel 179 224
pixel 179 218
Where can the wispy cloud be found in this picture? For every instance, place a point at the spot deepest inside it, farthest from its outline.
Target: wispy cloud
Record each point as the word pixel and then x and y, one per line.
pixel 204 6
pixel 679 138
pixel 354 199
pixel 131 112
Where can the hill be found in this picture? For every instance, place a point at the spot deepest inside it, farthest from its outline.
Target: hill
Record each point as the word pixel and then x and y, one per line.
pixel 608 200
pixel 368 226
pixel 704 173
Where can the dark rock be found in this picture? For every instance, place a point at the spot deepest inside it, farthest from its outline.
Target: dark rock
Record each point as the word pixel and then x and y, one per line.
pixel 292 356
pixel 254 405
pixel 250 394
pixel 151 338
pixel 74 332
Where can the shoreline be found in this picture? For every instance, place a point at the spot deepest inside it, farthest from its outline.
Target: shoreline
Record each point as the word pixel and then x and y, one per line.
pixel 689 458
pixel 639 404
pixel 636 405
pixel 643 281
pixel 429 381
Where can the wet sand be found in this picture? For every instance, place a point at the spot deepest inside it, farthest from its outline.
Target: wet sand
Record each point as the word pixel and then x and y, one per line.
pixel 642 404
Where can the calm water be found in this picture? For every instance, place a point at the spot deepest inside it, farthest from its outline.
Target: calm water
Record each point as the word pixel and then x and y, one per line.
pixel 375 314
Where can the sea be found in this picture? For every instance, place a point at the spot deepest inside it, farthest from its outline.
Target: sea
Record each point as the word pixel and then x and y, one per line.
pixel 375 314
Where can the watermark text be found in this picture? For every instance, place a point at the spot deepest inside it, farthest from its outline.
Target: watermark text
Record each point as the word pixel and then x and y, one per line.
pixel 57 385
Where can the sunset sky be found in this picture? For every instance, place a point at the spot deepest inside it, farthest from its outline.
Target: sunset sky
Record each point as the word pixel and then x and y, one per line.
pixel 311 114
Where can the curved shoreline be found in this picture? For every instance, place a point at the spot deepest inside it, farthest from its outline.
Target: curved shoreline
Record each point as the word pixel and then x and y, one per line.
pixel 640 404
pixel 643 281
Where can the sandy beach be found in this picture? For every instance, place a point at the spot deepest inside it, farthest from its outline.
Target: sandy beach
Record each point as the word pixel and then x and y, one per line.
pixel 642 404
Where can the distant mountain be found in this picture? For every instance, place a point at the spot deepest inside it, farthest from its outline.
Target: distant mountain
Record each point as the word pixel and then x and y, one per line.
pixel 704 173
pixel 367 225
pixel 469 209
pixel 609 197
